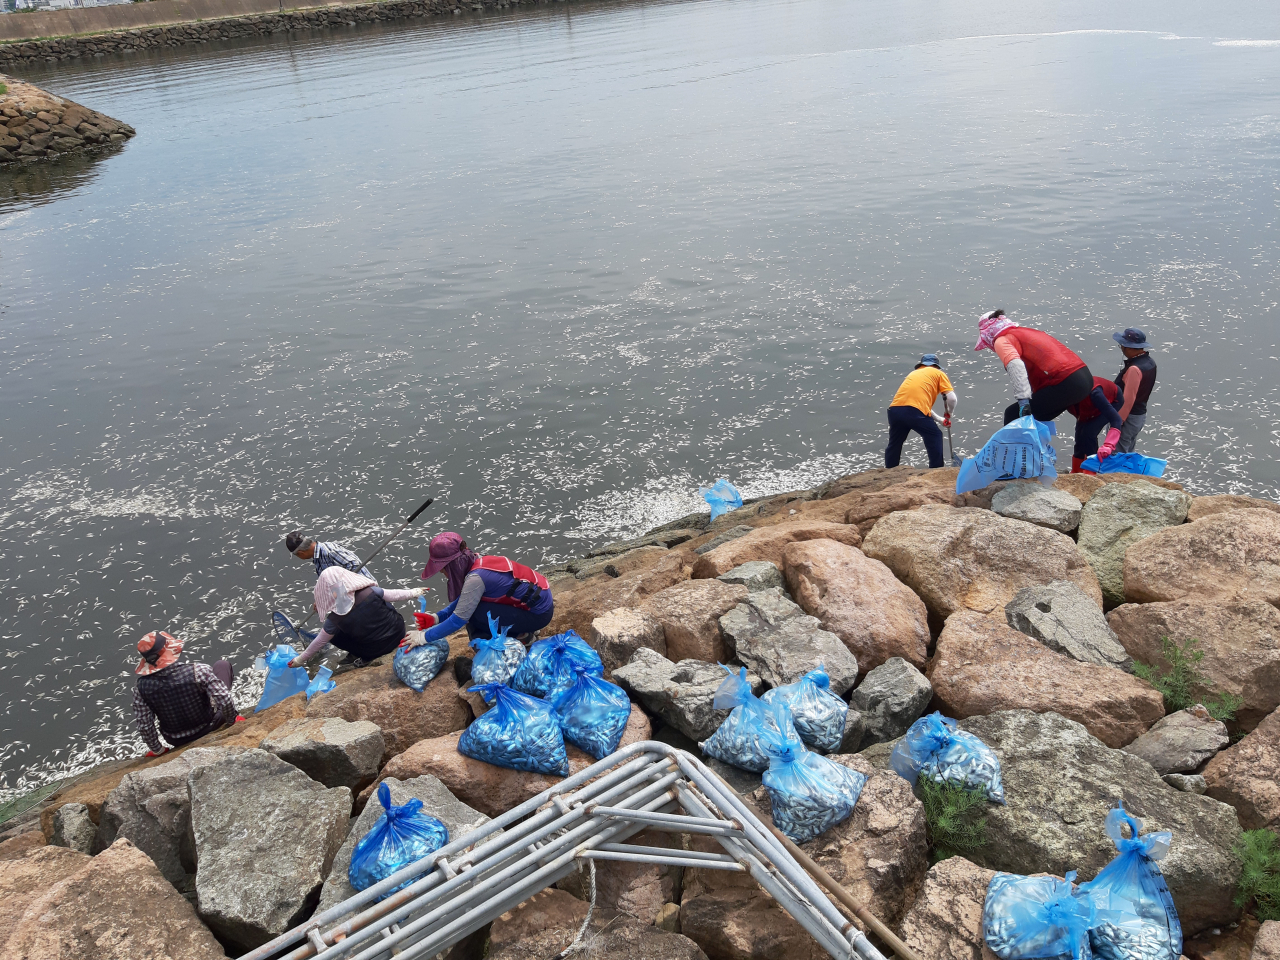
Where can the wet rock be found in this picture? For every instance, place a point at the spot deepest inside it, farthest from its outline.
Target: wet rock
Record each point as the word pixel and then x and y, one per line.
pixel 679 693
pixel 1267 944
pixel 619 633
pixel 1060 782
pixel 720 539
pixel 585 600
pixel 656 538
pixel 768 543
pixel 73 829
pixel 1118 516
pixel 890 698
pixel 690 615
pixel 617 564
pixel 639 890
pixel 945 922
pixel 25 878
pixel 1182 741
pixel 330 750
pixel 970 559
pixel 1066 620
pixel 265 837
pixel 1226 556
pixel 1202 507
pixel 754 575
pixel 1038 504
pixel 1240 640
pixel 982 666
pixel 1245 776
pixel 1186 782
pixel 859 600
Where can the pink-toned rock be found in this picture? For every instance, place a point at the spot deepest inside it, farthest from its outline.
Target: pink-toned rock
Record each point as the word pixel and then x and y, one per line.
pixel 618 634
pixel 636 889
pixel 945 922
pixel 579 604
pixel 1202 507
pixel 768 543
pixel 1245 776
pixel 1083 486
pixel 20 845
pixel 859 600
pixel 1267 944
pixel 982 666
pixel 690 615
pixel 743 924
pixel 24 879
pixel 909 495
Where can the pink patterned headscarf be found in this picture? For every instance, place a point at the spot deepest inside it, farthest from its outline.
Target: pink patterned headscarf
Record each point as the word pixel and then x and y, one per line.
pixel 336 590
pixel 990 326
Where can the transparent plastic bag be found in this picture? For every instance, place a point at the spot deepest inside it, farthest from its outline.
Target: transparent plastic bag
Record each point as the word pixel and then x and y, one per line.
pixel 282 680
pixel 402 835
pixel 497 656
pixel 1027 918
pixel 819 715
pixel 808 794
pixel 593 713
pixel 520 733
pixel 320 683
pixel 723 497
pixel 934 748
pixel 1138 920
pixel 548 669
pixel 1021 450
pixel 417 667
pixel 737 740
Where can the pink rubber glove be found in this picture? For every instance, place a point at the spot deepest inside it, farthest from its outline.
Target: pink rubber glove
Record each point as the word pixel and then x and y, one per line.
pixel 1109 445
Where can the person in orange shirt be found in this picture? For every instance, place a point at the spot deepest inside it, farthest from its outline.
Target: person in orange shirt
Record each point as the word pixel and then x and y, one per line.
pixel 912 409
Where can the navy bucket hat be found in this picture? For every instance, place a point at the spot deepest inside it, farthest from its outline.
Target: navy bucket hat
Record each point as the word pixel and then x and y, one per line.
pixel 929 360
pixel 1133 338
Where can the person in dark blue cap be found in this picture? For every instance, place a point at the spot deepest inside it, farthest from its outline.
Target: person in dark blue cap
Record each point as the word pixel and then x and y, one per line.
pixel 912 409
pixel 1136 380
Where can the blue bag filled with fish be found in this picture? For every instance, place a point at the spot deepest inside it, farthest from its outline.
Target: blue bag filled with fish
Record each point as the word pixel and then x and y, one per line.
pixel 1029 918
pixel 1137 917
pixel 320 683
pixel 497 656
pixel 818 713
pixel 934 748
pixel 808 794
pixel 593 713
pixel 282 680
pixel 737 740
pixel 417 663
pixel 1021 450
pixel 402 835
pixel 723 497
pixel 520 732
pixel 549 666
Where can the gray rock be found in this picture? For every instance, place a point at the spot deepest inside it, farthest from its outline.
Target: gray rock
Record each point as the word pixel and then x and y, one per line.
pixel 1060 782
pixel 330 750
pixel 265 836
pixel 1181 742
pixel 619 633
pixel 437 801
pixel 1043 506
pixel 754 575
pixel 720 539
pixel 855 727
pixel 744 781
pixel 73 828
pixel 1186 782
pixel 1067 620
pixel 679 693
pixel 1118 516
pixel 879 754
pixel 890 698
pixel 657 538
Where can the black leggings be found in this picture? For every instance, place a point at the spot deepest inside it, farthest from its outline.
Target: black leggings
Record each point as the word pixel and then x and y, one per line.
pixel 1049 403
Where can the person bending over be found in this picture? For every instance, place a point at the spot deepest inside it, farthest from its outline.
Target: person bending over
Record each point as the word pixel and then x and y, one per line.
pixel 912 409
pixel 1047 377
pixel 324 554
pixel 1092 414
pixel 358 617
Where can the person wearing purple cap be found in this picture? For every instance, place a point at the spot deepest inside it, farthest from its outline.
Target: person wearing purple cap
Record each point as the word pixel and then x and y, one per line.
pixel 1137 380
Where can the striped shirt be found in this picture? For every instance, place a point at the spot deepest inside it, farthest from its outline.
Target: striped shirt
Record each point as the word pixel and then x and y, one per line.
pixel 333 554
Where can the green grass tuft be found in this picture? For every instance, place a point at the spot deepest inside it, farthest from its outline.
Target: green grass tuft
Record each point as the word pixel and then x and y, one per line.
pixel 3 89
pixel 1177 685
pixel 952 819
pixel 1259 887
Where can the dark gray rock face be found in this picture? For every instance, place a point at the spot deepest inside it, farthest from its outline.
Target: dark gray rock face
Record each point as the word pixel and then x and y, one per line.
pixel 1060 782
pixel 1186 782
pixel 890 698
pixel 1067 620
pixel 73 828
pixel 1182 741
pixel 855 728
pixel 330 750
pixel 679 693
pixel 720 539
pixel 774 637
pixel 754 575
pixel 265 837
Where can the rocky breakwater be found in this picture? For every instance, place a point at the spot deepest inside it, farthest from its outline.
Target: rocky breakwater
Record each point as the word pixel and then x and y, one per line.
pixel 39 124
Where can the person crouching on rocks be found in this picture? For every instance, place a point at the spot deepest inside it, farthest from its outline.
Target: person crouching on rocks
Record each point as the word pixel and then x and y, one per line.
pixel 188 700
pixel 1047 377
pixel 358 617
pixel 912 409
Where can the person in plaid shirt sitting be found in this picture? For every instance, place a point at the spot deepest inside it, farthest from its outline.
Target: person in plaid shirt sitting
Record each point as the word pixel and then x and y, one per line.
pixel 324 554
pixel 187 699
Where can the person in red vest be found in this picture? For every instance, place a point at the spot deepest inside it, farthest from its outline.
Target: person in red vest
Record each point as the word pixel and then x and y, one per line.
pixel 1047 377
pixel 1092 414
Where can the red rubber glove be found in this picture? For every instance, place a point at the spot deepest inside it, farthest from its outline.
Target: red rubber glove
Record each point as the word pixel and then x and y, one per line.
pixel 152 753
pixel 946 420
pixel 425 620
pixel 1109 445
pixel 238 719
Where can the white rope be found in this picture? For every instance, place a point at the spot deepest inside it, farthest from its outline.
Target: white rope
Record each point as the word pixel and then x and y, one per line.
pixel 577 943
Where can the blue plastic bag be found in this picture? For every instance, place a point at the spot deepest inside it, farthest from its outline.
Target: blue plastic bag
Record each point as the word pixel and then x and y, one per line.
pixel 1126 463
pixel 520 733
pixel 402 835
pixel 1020 450
pixel 1025 918
pixel 592 713
pixel 497 656
pixel 282 679
pixel 1138 920
pixel 320 683
pixel 723 497
pixel 808 794
pixel 819 715
pixel 934 748
pixel 737 740
pixel 548 669
pixel 418 666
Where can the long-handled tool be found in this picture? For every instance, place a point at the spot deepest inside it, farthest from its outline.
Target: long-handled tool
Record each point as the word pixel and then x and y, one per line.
pixel 955 461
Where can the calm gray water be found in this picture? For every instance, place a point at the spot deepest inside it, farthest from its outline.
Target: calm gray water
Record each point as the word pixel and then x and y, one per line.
pixel 556 268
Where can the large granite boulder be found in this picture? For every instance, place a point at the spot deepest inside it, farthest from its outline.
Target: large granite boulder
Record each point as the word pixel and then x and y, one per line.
pixel 17 845
pixel 776 639
pixel 754 575
pixel 265 837
pixel 768 543
pixel 859 600
pixel 945 922
pixel 890 699
pixel 1246 777
pixel 1267 944
pixel 1038 504
pixel 619 633
pixel 1059 784
pixel 73 829
pixel 1083 486
pixel 330 750
pixel 1240 640
pixel 1182 741
pixel 970 559
pixel 25 878
pixel 866 511
pixel 690 615
pixel 1226 556
pixel 1118 516
pixel 1066 620
pixel 1202 507
pixel 680 694
pixel 585 600
pixel 115 906
pixel 982 666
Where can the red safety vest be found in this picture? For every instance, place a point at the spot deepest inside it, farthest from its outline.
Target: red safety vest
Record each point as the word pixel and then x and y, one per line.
pixel 1085 410
pixel 519 574
pixel 1048 361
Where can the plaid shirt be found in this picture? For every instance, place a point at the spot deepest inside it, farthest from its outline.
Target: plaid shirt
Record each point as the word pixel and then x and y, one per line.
pixel 187 698
pixel 333 554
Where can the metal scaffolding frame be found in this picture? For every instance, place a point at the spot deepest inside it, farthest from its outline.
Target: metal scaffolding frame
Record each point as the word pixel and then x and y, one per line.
pixel 476 878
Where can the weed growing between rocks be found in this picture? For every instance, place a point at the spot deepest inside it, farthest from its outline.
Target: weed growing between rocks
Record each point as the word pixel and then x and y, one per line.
pixel 1259 852
pixel 1178 683
pixel 954 825
pixel 3 89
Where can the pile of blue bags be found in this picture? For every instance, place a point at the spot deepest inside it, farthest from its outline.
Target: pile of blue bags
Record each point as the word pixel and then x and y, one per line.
pixel 737 740
pixel 497 656
pixel 1021 450
pixel 934 748
pixel 592 713
pixel 723 496
pixel 551 664
pixel 417 667
pixel 282 679
pixel 819 715
pixel 402 835
pixel 520 732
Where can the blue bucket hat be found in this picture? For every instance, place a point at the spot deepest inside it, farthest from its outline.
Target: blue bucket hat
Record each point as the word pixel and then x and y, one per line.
pixel 929 360
pixel 1133 338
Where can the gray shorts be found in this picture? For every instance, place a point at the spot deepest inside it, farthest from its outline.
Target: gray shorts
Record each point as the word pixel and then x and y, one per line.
pixel 1129 433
